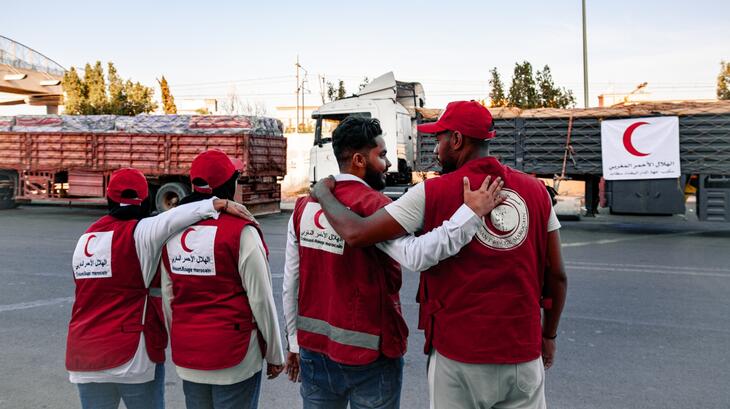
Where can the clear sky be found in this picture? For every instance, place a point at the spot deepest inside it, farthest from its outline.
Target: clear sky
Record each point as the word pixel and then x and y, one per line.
pixel 205 48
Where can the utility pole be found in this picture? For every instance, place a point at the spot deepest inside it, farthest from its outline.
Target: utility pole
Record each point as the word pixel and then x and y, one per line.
pixel 585 58
pixel 298 89
pixel 322 87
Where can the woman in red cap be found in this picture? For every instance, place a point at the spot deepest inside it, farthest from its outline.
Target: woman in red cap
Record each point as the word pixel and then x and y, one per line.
pixel 116 338
pixel 219 304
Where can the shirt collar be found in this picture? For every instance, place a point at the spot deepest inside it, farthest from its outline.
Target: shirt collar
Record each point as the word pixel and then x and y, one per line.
pixel 343 177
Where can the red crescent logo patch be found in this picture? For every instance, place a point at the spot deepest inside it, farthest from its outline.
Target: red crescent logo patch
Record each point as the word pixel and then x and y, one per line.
pixel 628 144
pixel 182 239
pixel 86 246
pixel 316 219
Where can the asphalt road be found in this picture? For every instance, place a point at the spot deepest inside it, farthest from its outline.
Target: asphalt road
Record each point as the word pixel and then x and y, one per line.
pixel 647 324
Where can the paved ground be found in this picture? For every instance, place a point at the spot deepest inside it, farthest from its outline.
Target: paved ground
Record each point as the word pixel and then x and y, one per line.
pixel 647 323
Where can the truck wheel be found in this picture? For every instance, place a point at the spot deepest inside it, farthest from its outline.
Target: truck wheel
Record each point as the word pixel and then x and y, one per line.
pixel 8 181
pixel 169 195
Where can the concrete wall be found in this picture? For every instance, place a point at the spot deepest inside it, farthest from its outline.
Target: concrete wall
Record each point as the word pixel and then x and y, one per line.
pixel 297 164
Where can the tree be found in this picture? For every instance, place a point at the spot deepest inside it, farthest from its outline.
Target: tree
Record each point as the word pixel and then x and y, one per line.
pixel 341 93
pixel 333 94
pixel 364 83
pixel 93 96
pixel 96 86
pixel 496 94
pixel 723 81
pixel 522 92
pixel 75 91
pixel 168 101
pixel 257 108
pixel 232 104
pixel 550 95
pixel 117 96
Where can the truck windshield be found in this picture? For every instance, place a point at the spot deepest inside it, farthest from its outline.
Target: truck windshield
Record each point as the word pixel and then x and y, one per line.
pixel 326 124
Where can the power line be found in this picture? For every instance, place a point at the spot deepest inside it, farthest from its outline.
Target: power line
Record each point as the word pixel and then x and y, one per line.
pixel 232 81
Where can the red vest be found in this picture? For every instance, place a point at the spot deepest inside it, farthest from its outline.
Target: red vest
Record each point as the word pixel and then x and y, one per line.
pixel 482 306
pixel 349 307
pixel 107 315
pixel 211 317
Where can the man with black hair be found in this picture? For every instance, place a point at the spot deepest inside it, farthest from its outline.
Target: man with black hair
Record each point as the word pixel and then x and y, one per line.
pixel 116 338
pixel 218 300
pixel 341 304
pixel 480 311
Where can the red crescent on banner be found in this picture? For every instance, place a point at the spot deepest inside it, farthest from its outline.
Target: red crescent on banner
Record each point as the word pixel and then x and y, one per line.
pixel 316 219
pixel 182 240
pixel 86 246
pixel 628 144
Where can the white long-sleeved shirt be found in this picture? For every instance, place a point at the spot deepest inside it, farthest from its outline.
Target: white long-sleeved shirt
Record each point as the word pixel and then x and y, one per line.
pixel 253 268
pixel 413 253
pixel 150 234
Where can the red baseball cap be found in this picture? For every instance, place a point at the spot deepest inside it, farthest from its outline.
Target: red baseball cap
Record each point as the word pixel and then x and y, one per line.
pixel 215 168
pixel 470 118
pixel 127 179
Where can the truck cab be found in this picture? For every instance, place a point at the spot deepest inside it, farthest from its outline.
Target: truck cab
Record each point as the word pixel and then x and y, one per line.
pixel 394 104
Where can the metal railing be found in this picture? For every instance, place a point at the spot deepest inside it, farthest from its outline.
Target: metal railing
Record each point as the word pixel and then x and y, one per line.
pixel 17 55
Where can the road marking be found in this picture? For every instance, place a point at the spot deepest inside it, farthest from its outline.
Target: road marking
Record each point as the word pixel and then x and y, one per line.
pixel 665 270
pixel 654 266
pixel 622 239
pixel 646 323
pixel 33 304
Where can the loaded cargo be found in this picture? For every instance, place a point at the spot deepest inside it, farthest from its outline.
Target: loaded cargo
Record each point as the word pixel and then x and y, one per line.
pixel 68 159
pixel 566 144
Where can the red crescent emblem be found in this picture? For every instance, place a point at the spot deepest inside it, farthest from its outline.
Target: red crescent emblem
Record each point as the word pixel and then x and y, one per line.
pixel 86 246
pixel 316 219
pixel 182 240
pixel 628 133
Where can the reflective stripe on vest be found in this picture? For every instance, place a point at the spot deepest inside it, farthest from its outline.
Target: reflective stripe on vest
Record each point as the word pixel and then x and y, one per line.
pixel 339 335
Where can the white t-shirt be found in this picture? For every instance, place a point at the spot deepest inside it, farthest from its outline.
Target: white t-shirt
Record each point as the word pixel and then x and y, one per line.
pixel 410 209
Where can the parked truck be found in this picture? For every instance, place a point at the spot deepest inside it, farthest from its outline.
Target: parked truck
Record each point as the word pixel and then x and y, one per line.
pixel 69 159
pixel 565 144
pixel 558 144
pixel 394 104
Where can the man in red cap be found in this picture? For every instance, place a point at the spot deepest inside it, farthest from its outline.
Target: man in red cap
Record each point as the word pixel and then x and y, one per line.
pixel 342 304
pixel 481 311
pixel 218 300
pixel 116 338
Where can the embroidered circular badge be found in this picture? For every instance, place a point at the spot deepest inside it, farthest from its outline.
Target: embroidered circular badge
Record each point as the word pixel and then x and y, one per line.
pixel 507 225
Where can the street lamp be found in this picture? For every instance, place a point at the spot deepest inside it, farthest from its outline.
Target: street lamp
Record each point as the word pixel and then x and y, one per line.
pixel 585 59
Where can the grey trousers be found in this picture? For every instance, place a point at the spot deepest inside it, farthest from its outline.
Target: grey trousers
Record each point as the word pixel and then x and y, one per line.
pixel 458 385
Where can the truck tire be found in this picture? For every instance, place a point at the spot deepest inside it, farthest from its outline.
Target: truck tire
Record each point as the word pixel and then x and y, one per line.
pixel 169 195
pixel 8 182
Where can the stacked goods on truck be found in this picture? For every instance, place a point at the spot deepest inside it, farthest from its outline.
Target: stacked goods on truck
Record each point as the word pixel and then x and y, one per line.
pixel 68 159
pixel 565 144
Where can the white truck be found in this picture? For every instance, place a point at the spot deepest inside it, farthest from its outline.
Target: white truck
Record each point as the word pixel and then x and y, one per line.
pixel 394 104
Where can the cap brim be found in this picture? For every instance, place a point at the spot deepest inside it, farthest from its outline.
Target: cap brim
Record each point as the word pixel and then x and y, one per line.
pixel 133 202
pixel 433 127
pixel 238 164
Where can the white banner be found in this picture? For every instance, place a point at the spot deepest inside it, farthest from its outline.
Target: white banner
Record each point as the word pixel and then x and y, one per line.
pixel 640 148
